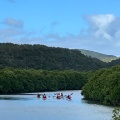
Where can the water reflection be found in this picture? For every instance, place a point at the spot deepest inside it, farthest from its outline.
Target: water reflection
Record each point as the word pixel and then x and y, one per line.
pixel 29 107
pixel 13 98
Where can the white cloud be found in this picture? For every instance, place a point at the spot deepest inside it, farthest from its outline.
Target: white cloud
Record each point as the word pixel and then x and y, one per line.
pixel 99 24
pixel 9 32
pixel 102 21
pixel 14 35
pixel 105 32
pixel 102 35
pixel 13 22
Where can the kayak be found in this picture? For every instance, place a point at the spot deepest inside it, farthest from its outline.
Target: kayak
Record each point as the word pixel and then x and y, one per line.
pixel 58 97
pixel 44 98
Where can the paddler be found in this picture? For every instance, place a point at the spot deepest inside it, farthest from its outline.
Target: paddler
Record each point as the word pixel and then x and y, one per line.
pixel 44 96
pixel 69 97
pixel 38 95
pixel 61 95
pixel 58 96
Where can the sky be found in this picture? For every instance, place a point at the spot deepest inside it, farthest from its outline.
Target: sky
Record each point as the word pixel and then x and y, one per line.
pixel 75 24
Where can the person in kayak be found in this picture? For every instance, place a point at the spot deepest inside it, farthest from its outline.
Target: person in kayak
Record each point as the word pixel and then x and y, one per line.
pixel 61 95
pixel 38 95
pixel 44 96
pixel 68 97
pixel 58 96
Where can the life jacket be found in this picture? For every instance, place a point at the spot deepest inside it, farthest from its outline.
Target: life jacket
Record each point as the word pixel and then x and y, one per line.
pixel 44 96
pixel 58 97
pixel 69 97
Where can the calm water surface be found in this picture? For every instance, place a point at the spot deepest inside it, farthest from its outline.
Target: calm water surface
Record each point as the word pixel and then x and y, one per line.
pixel 29 107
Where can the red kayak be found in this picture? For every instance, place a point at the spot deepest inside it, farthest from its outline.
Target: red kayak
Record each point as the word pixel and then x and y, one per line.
pixel 44 98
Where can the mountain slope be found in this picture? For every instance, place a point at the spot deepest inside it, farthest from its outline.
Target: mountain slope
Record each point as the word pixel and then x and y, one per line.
pixel 103 57
pixel 47 58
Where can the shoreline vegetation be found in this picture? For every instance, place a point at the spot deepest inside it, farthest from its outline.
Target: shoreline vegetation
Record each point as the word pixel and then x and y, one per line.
pixel 104 86
pixel 14 81
pixel 116 114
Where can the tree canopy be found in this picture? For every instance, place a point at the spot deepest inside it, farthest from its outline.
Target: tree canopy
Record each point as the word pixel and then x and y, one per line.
pixel 22 80
pixel 47 58
pixel 104 86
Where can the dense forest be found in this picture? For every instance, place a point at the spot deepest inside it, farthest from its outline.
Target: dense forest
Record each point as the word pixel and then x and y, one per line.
pixel 104 86
pixel 22 80
pixel 47 58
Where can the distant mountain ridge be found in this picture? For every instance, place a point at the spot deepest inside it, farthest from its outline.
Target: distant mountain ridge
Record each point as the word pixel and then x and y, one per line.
pixel 103 57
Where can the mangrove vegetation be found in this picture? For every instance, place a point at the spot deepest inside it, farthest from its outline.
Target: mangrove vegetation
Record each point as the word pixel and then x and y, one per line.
pixel 22 80
pixel 103 86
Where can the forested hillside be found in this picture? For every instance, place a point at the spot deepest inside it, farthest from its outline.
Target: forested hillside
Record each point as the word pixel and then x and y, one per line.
pixel 104 86
pixel 47 58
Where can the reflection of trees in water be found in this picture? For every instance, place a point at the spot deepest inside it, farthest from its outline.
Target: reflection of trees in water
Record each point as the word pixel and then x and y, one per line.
pixel 13 98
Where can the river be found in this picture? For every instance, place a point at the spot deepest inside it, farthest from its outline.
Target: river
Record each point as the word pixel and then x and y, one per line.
pixel 29 107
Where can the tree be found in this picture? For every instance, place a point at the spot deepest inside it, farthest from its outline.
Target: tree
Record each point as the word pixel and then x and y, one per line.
pixel 116 114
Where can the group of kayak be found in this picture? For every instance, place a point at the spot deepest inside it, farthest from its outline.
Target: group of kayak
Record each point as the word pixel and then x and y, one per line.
pixel 57 96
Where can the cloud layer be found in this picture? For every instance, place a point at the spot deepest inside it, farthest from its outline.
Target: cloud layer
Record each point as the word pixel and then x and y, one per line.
pixel 102 34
